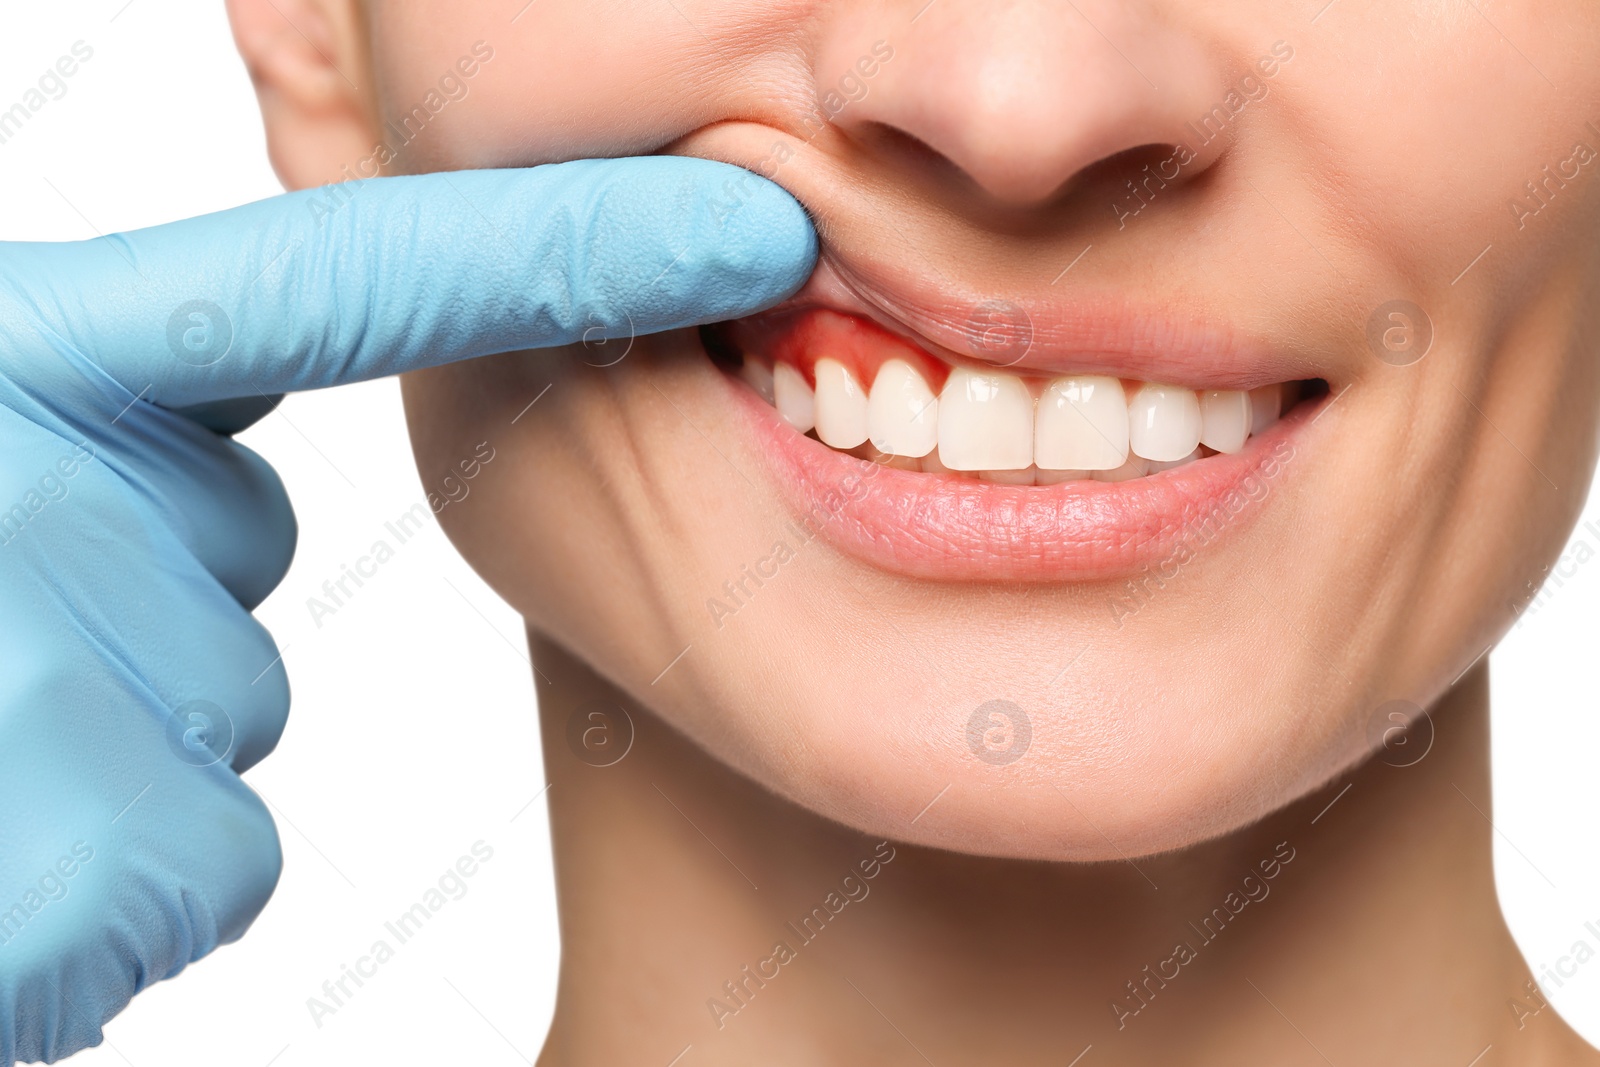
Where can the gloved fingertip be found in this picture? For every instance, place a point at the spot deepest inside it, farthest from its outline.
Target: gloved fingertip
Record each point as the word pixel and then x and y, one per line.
pixel 769 237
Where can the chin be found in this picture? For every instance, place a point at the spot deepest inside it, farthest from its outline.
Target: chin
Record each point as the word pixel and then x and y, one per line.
pixel 969 747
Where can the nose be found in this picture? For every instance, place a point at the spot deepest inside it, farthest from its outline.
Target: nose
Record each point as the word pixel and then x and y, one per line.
pixel 1020 96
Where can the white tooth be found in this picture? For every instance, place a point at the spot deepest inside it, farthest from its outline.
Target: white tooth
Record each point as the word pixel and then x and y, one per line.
pixel 1136 467
pixel 1156 468
pixel 931 464
pixel 759 377
pixel 1044 477
pixel 793 397
pixel 1022 477
pixel 1082 424
pixel 1163 421
pixel 902 412
pixel 894 462
pixel 841 406
pixel 1265 405
pixel 1224 419
pixel 985 422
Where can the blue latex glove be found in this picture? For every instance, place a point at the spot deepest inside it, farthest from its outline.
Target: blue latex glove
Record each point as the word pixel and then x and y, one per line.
pixel 135 686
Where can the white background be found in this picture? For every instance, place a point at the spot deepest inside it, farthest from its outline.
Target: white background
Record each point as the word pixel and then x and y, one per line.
pixel 413 734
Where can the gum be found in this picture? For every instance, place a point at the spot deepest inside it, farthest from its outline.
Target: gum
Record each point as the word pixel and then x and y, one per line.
pixel 803 336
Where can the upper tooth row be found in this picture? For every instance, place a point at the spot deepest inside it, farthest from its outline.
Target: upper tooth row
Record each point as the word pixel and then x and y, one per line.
pixel 990 421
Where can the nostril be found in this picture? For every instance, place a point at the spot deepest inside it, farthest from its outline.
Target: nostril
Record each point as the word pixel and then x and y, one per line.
pixel 1021 100
pixel 1135 179
pixel 903 149
pixel 998 179
pixel 1015 184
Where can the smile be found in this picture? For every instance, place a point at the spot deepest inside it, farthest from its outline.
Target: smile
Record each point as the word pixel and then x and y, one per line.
pixel 964 471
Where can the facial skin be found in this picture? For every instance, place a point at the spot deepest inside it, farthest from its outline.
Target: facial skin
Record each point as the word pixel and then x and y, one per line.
pixel 1381 164
pixel 986 160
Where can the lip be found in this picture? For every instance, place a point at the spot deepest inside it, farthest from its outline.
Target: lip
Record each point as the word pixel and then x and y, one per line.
pixel 939 528
pixel 1087 333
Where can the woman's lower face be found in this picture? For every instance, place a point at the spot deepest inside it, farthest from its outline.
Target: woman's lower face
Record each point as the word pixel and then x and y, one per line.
pixel 1184 392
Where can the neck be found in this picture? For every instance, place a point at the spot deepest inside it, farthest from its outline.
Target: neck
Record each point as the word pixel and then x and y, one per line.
pixel 699 911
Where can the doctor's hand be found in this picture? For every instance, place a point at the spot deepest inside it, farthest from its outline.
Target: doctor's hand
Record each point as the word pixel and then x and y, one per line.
pixel 136 536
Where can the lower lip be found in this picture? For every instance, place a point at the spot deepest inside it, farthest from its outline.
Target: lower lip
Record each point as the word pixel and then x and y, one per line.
pixel 939 528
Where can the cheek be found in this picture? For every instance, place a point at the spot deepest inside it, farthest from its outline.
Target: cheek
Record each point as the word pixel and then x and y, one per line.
pixel 608 481
pixel 1431 126
pixel 569 79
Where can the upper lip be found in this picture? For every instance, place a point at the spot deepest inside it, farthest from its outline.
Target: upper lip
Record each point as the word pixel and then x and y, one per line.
pixel 1085 332
pixel 1118 312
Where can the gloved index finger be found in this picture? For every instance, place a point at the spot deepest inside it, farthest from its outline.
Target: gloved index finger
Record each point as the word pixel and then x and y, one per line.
pixel 387 275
